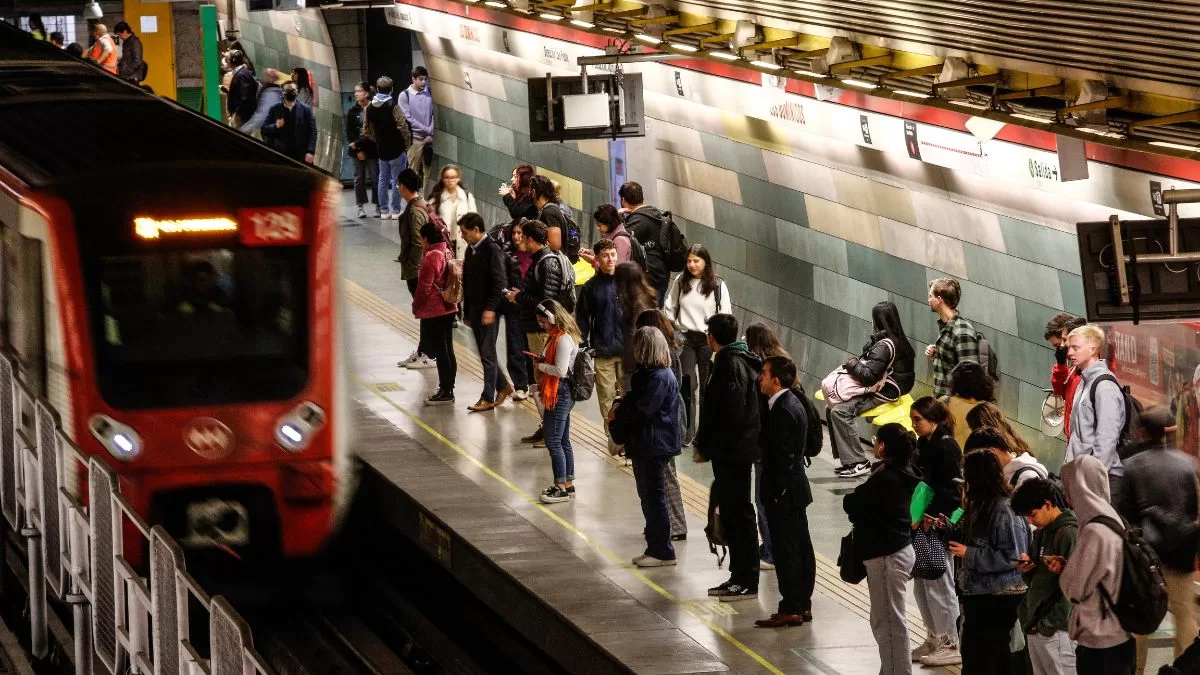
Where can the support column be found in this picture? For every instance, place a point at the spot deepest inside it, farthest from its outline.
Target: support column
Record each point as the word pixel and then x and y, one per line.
pixel 212 67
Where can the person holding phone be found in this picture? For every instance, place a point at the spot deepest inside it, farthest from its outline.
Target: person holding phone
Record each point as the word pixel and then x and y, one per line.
pixel 554 397
pixel 1044 612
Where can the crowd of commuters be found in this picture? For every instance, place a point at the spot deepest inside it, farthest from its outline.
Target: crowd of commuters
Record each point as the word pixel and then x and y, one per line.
pixel 118 52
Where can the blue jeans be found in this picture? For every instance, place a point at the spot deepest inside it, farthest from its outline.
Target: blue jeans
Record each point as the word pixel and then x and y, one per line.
pixel 650 475
pixel 763 529
pixel 389 171
pixel 556 424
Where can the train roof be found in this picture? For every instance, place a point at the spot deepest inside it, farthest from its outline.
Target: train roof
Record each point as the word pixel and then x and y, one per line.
pixel 63 118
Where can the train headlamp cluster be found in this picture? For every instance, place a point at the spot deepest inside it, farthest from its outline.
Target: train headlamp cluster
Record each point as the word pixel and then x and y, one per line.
pixel 295 431
pixel 119 439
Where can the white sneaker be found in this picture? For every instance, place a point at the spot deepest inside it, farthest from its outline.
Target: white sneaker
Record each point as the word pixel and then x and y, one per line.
pixel 931 644
pixel 422 362
pixel 395 216
pixel 520 395
pixel 362 213
pixel 651 561
pixel 945 655
pixel 409 360
pixel 384 215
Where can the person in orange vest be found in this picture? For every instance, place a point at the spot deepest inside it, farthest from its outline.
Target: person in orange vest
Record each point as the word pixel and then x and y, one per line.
pixel 103 51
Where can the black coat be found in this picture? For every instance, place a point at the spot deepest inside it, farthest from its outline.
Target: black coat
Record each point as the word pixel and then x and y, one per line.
pixel 243 94
pixel 645 224
pixel 295 139
pixel 872 367
pixel 1159 494
pixel 521 209
pixel 538 286
pixel 356 117
pixel 878 509
pixel 940 460
pixel 729 409
pixel 485 276
pixel 782 439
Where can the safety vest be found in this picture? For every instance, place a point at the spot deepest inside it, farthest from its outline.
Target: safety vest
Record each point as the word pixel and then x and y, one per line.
pixel 107 61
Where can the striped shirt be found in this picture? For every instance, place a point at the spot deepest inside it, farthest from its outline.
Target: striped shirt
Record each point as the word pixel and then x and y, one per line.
pixel 957 342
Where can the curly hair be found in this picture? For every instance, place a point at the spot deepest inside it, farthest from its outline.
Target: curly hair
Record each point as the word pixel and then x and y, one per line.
pixel 970 380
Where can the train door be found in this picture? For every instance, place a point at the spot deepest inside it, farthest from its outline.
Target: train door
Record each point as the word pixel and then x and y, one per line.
pixel 23 314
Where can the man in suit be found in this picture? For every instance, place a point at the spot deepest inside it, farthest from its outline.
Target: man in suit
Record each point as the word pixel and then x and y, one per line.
pixel 485 275
pixel 786 493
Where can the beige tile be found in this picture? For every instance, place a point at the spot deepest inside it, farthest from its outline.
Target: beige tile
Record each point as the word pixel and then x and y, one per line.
pixel 571 189
pixel 868 195
pixel 903 241
pixel 842 221
pixel 801 175
pixel 595 148
pixel 677 139
pixel 313 51
pixel 687 203
pixel 697 175
pixel 957 221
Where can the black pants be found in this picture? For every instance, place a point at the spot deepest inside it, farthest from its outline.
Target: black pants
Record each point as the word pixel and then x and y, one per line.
pixel 421 346
pixel 795 561
pixel 987 622
pixel 737 520
pixel 519 365
pixel 695 361
pixel 1118 660
pixel 485 339
pixel 365 171
pixel 438 334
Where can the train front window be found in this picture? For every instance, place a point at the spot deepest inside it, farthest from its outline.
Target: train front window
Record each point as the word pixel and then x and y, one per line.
pixel 179 328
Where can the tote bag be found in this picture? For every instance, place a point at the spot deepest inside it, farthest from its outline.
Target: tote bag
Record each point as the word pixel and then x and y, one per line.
pixel 850 565
pixel 840 386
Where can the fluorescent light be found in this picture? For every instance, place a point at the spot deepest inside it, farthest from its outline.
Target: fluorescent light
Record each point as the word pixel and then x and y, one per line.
pixel 766 64
pixel 650 39
pixel 909 92
pixel 123 443
pixel 497 5
pixel 860 83
pixel 1175 146
pixel 618 31
pixel 582 24
pixel 1031 118
pixel 550 17
pixel 725 56
pixel 291 433
pixel 973 106
pixel 683 47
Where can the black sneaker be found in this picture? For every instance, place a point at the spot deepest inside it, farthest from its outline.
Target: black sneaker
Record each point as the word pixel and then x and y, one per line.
pixel 553 495
pixel 853 470
pixel 536 437
pixel 718 591
pixel 571 490
pixel 737 592
pixel 441 398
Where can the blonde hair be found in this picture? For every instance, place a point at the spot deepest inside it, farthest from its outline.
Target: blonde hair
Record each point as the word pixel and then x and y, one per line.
pixel 650 348
pixel 1091 333
pixel 563 319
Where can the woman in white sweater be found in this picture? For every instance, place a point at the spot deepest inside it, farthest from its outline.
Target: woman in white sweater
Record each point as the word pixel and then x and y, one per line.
pixel 695 295
pixel 451 199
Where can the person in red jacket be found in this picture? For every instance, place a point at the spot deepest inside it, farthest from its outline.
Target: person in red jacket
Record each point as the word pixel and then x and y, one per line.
pixel 1064 377
pixel 436 315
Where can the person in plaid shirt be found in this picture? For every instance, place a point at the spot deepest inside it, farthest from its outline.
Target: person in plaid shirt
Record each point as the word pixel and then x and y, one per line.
pixel 958 340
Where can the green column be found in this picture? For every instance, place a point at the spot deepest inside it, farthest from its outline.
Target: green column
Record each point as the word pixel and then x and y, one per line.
pixel 212 67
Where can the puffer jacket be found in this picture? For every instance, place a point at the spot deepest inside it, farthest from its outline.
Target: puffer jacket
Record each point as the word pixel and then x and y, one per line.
pixel 536 288
pixel 647 420
pixel 872 367
pixel 428 302
pixel 730 408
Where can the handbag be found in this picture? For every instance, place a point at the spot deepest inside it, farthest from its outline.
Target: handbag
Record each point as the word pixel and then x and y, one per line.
pixel 930 549
pixel 850 565
pixel 840 386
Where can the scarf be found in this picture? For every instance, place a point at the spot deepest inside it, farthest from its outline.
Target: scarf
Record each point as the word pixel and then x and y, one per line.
pixel 738 346
pixel 547 383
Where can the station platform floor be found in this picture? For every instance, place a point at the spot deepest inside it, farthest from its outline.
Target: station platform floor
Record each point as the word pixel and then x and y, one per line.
pixel 603 525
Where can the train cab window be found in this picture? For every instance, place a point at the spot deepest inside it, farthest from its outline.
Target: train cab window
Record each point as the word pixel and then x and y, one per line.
pixel 201 327
pixel 23 305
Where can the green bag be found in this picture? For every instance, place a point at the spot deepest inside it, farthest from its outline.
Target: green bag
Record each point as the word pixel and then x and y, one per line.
pixel 921 499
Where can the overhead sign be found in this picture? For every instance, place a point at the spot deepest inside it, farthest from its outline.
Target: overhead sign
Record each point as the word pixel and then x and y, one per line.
pixel 152 228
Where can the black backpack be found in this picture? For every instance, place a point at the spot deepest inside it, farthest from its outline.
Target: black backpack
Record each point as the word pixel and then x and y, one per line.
pixel 1127 443
pixel 637 252
pixel 672 243
pixel 1141 603
pixel 815 437
pixel 712 530
pixel 572 238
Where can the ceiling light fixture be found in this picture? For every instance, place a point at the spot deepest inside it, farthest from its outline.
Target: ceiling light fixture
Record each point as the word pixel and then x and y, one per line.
pixel 1175 146
pixel 766 64
pixel 497 5
pixel 649 39
pixel 582 24
pixel 861 83
pixel 726 56
pixel 550 17
pixel 609 29
pixel 683 47
pixel 1032 118
pixel 911 93
pixel 92 10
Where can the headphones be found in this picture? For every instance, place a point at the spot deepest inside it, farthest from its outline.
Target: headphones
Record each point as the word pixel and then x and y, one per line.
pixel 546 312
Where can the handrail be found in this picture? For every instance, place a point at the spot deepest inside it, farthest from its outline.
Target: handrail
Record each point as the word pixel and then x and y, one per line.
pixel 77 555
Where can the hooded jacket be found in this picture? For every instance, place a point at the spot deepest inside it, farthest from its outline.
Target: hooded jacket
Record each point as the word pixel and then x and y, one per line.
pixel 1095 431
pixel 1097 558
pixel 878 509
pixel 1023 467
pixel 1044 601
pixel 387 127
pixel 1159 495
pixel 647 420
pixel 872 367
pixel 428 302
pixel 940 461
pixel 729 409
pixel 645 223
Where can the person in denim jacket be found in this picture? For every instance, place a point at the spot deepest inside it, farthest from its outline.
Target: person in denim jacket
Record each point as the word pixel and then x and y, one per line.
pixel 991 540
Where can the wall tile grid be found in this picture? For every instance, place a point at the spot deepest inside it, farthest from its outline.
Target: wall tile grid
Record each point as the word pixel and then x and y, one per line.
pixel 806 245
pixel 286 40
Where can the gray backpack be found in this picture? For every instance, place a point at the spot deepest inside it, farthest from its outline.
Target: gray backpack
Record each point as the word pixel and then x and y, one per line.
pixel 583 375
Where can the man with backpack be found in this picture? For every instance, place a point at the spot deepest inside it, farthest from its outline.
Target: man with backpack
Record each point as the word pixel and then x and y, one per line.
pixel 551 213
pixel 391 134
pixel 416 215
pixel 1044 611
pixel 1098 414
pixel 416 104
pixel 485 275
pixel 786 493
pixel 957 338
pixel 1092 577
pixel 646 224
pixel 1159 495
pixel 611 227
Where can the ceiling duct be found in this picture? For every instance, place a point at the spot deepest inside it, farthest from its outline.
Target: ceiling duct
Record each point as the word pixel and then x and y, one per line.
pixel 840 50
pixel 1092 91
pixel 953 69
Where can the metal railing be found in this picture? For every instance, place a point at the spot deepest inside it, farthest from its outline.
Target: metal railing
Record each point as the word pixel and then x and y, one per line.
pixel 77 555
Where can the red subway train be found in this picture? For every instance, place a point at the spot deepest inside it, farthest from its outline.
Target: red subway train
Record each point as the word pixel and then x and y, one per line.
pixel 168 285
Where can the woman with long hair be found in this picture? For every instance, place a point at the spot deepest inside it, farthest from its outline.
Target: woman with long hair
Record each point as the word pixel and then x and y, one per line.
pixel 636 296
pixel 878 509
pixel 554 396
pixel 970 385
pixel 764 344
pixel 451 199
pixel 517 196
pixel 940 461
pixel 991 540
pixel 695 295
pixel 304 83
pixel 1015 455
pixel 654 318
pixel 646 422
pixel 886 370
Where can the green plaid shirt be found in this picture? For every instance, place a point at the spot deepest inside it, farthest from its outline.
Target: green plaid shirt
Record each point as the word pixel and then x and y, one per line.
pixel 958 341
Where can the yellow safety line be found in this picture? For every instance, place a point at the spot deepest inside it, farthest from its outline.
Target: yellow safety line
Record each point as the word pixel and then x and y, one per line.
pixel 575 531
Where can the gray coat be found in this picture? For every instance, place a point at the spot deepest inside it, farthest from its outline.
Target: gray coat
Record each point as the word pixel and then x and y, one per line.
pixel 1092 437
pixel 1159 493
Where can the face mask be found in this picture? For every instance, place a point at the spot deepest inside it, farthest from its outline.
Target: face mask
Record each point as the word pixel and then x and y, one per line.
pixel 290 95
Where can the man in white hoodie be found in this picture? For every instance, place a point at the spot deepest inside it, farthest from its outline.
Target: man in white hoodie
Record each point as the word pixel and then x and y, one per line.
pixel 1017 468
pixel 1104 647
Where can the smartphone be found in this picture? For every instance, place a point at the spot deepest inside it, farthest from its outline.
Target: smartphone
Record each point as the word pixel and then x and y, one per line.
pixel 531 355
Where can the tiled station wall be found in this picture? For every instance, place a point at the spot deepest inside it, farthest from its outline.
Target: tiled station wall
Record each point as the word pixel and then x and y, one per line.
pixel 810 233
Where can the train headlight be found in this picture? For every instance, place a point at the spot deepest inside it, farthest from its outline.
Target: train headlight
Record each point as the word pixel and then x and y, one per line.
pixel 295 430
pixel 120 440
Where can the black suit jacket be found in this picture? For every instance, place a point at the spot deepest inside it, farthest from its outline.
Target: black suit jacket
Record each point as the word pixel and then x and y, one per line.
pixel 485 275
pixel 782 437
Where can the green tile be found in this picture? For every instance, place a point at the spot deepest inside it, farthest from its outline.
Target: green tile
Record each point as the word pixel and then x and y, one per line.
pixel 800 242
pixel 983 304
pixel 516 92
pixel 1013 276
pixel 508 115
pixel 1029 412
pixel 1040 244
pixel 1032 318
pixel 1024 360
pixel 748 224
pixel 446 145
pixel 1007 395
pixel 738 157
pixel 1072 293
pixel 887 272
pixel 729 253
pixel 919 323
pixel 779 270
pixel 772 199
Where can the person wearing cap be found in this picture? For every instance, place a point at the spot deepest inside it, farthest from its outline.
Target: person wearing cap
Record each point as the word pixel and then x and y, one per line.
pixel 1159 495
pixel 269 96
